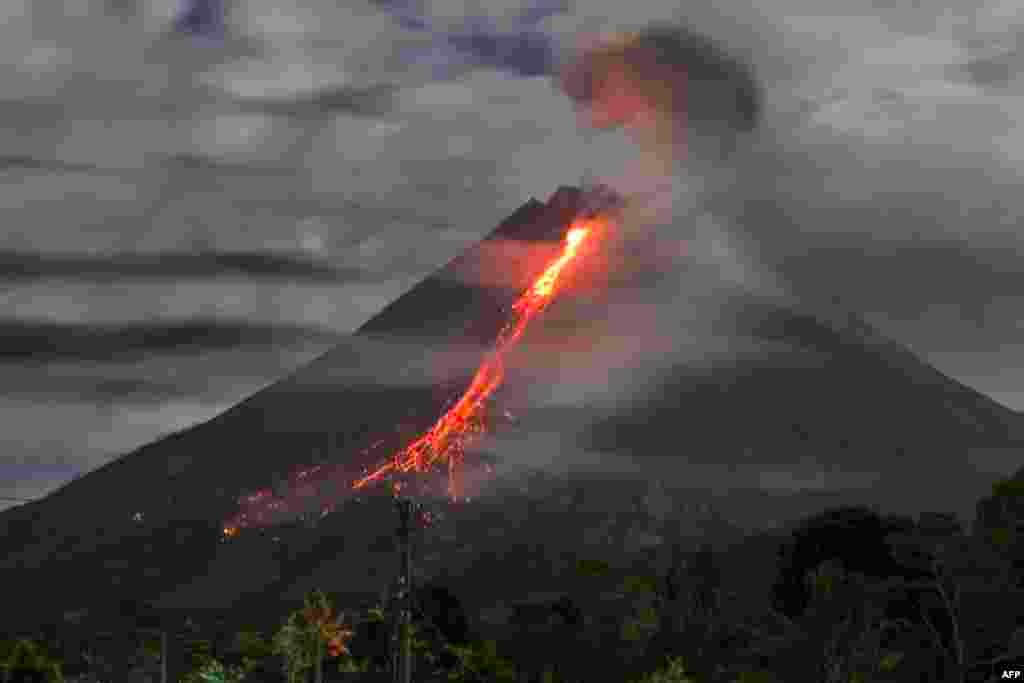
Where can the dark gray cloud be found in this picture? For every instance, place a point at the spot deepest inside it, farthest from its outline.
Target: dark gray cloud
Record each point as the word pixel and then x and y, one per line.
pixel 369 101
pixel 77 388
pixel 363 214
pixel 21 266
pixel 524 49
pixel 194 164
pixel 160 377
pixel 993 72
pixel 15 162
pixel 34 342
pixel 209 167
pixel 254 146
pixel 23 117
pixel 906 276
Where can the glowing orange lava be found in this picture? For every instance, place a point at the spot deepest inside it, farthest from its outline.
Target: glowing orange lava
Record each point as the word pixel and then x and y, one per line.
pixel 446 441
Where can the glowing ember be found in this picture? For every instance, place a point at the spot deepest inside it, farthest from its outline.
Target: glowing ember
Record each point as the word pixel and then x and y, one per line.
pixel 447 440
pixel 453 431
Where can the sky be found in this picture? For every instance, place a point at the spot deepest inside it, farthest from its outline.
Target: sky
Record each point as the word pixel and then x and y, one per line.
pixel 185 222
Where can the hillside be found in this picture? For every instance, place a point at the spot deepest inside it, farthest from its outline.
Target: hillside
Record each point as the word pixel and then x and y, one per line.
pixel 152 518
pixel 835 395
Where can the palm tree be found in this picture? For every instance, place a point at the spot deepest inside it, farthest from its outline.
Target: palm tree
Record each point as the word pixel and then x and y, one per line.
pixel 308 634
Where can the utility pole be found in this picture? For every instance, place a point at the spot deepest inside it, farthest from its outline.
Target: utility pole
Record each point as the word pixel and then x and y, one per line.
pixel 402 650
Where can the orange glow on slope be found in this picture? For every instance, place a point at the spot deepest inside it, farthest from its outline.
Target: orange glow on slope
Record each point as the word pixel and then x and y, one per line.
pixel 447 440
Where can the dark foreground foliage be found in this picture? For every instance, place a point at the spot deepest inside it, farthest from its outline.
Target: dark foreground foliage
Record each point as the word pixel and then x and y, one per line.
pixel 857 597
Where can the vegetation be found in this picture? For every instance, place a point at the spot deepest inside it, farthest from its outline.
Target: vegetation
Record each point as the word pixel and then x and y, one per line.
pixel 250 647
pixel 1004 528
pixel 673 672
pixel 309 634
pixel 479 661
pixel 205 668
pixel 858 597
pixel 853 537
pixel 212 671
pixel 23 659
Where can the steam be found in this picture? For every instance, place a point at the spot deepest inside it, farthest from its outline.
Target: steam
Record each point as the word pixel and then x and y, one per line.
pixel 679 95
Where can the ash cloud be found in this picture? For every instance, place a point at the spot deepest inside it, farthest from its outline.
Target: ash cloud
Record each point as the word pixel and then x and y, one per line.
pixel 870 158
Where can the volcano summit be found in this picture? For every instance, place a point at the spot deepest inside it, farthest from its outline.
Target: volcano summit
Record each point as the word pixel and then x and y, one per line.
pixel 763 438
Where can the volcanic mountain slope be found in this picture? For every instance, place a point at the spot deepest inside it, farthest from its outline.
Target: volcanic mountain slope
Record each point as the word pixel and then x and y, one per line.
pixel 829 402
pixel 148 525
pixel 153 518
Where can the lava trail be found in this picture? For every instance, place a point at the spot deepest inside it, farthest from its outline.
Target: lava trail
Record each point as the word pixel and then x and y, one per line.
pixel 446 441
pixel 453 431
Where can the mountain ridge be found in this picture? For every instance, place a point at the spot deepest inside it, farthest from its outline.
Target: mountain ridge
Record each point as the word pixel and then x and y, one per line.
pixel 148 525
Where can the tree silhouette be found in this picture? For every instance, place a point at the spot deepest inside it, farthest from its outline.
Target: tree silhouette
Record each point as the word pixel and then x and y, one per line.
pixel 856 537
pixel 371 641
pixel 310 633
pixel 1001 519
pixel 442 622
pixel 705 577
pixel 26 660
pixel 442 608
pixel 856 541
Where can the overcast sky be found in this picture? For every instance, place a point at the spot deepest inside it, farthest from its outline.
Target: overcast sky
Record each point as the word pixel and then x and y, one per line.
pixel 897 129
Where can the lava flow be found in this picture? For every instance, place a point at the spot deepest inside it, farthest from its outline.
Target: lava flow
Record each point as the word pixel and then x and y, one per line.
pixel 446 441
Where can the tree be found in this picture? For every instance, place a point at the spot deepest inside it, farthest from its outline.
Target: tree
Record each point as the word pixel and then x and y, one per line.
pixel 848 616
pixel 1001 518
pixel 199 652
pixel 674 671
pixel 25 660
pixel 855 537
pixel 250 647
pixel 882 589
pixel 921 602
pixel 479 662
pixel 370 644
pixel 307 634
pixel 212 671
pixel 439 606
pixel 945 563
pixel 705 579
pixel 441 621
pixel 685 619
pixel 671 611
pixel 566 622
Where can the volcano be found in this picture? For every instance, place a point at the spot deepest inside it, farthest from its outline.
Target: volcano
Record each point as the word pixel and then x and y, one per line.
pixel 149 526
